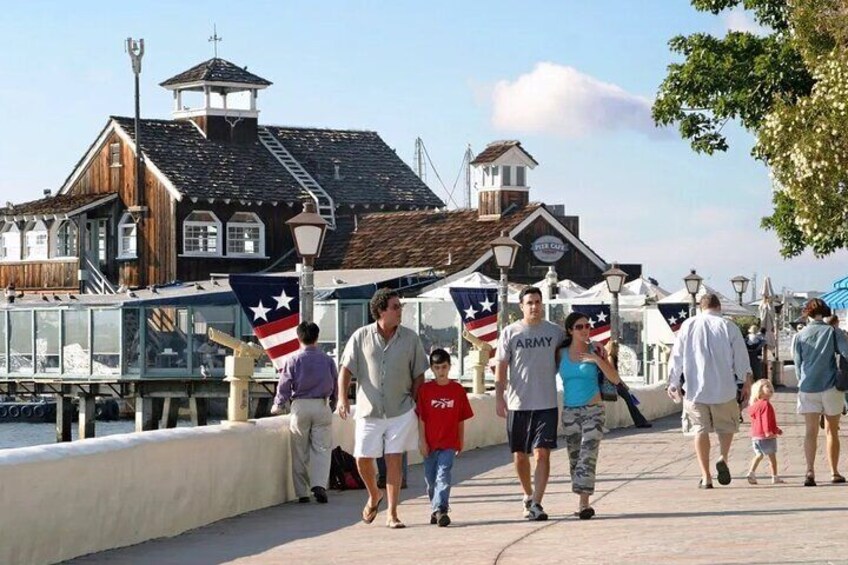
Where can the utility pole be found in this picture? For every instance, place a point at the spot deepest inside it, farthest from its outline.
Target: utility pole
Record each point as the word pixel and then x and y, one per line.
pixel 135 48
pixel 469 156
pixel 420 165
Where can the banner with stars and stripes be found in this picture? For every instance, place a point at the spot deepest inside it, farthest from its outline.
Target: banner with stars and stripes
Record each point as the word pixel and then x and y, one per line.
pixel 674 314
pixel 272 305
pixel 599 320
pixel 478 308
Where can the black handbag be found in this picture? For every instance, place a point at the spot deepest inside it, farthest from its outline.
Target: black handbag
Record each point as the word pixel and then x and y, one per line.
pixel 841 367
pixel 609 392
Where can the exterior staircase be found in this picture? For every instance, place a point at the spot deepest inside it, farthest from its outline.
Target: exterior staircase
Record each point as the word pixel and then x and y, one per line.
pixel 96 282
pixel 323 202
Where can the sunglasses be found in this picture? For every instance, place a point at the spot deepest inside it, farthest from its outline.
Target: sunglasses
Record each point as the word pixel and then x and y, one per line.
pixel 579 327
pixel 396 307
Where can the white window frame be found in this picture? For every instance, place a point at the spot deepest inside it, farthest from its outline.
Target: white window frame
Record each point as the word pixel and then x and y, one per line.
pixel 496 177
pixel 236 224
pixel 10 231
pixel 506 175
pixel 115 155
pixel 520 171
pixel 127 244
pixel 188 223
pixel 56 236
pixel 36 251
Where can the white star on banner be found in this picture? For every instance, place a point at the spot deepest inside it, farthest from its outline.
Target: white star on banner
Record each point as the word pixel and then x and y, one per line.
pixel 672 321
pixel 602 317
pixel 283 300
pixel 260 312
pixel 683 314
pixel 591 323
pixel 469 314
pixel 487 306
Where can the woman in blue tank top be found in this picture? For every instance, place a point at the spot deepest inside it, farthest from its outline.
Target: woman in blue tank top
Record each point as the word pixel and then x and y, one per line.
pixel 583 415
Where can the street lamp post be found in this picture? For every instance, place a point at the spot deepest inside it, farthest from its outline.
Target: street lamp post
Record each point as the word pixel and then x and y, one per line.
pixel 693 285
pixel 740 285
pixel 551 280
pixel 504 249
pixel 308 229
pixel 615 280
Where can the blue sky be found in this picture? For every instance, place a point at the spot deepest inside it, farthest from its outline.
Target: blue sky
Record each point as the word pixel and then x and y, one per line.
pixel 573 80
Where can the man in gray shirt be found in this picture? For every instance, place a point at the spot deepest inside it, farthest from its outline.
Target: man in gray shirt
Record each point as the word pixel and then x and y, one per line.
pixel 388 362
pixel 527 356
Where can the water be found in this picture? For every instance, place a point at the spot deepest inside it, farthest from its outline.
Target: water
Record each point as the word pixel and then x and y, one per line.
pixel 23 435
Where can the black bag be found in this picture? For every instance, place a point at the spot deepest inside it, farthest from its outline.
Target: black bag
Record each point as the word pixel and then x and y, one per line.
pixel 609 393
pixel 343 472
pixel 841 367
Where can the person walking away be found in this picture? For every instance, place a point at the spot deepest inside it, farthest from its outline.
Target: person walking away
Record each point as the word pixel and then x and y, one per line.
pixel 632 403
pixel 710 351
pixel 583 414
pixel 526 372
pixel 815 364
pixel 443 408
pixel 308 379
pixel 764 430
pixel 388 362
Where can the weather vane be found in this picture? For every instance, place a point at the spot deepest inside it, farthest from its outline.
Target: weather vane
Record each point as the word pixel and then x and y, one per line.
pixel 215 39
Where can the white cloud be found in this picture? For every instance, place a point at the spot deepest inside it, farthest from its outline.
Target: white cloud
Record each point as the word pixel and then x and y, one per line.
pixel 562 101
pixel 738 19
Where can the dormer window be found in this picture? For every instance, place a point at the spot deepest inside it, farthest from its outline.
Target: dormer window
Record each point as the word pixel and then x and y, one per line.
pixel 201 234
pixel 495 176
pixel 35 240
pixel 115 154
pixel 245 235
pixel 65 238
pixel 507 175
pixel 127 237
pixel 520 178
pixel 10 242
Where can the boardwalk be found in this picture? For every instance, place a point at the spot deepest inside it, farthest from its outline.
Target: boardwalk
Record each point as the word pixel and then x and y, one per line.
pixel 649 511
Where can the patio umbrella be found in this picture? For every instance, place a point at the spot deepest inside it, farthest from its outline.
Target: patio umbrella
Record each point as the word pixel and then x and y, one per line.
pixel 767 321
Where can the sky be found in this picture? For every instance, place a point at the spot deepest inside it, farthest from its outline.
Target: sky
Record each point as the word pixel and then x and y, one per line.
pixel 572 80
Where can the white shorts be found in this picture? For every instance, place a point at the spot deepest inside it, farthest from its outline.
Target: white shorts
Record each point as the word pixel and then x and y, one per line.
pixel 375 436
pixel 829 402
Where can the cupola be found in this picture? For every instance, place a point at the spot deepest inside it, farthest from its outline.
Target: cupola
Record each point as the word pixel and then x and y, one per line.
pixel 220 98
pixel 501 178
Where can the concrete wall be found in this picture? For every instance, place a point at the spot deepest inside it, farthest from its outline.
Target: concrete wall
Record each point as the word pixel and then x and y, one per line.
pixel 65 500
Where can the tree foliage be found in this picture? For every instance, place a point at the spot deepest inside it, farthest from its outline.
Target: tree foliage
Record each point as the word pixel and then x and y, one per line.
pixel 789 88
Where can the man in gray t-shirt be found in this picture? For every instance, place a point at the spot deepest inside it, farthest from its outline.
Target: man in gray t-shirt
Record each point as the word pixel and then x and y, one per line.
pixel 527 360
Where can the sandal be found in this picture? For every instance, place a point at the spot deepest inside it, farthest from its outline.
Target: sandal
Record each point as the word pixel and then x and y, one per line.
pixel 370 512
pixel 723 471
pixel 702 484
pixel 810 480
pixel 837 479
pixel 395 524
pixel 586 513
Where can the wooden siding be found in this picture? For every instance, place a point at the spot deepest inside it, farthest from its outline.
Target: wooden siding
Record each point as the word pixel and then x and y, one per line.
pixel 278 239
pixel 56 274
pixel 495 202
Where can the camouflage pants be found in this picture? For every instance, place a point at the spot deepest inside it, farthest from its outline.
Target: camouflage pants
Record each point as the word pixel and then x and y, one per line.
pixel 584 429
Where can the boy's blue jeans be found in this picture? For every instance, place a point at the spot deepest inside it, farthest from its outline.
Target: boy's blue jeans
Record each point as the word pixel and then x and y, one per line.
pixel 437 474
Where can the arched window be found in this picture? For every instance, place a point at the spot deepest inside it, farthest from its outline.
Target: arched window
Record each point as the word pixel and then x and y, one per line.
pixel 35 240
pixel 65 238
pixel 201 234
pixel 10 242
pixel 127 237
pixel 245 235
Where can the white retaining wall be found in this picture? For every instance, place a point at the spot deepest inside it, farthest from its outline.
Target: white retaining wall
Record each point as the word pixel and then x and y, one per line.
pixel 65 500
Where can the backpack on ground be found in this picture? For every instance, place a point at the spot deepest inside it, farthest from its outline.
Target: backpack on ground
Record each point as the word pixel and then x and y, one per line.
pixel 343 472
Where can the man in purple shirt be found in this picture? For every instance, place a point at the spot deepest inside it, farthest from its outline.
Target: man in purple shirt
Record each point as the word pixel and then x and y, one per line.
pixel 309 380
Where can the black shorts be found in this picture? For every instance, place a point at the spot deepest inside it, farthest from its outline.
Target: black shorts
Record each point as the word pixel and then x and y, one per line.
pixel 531 429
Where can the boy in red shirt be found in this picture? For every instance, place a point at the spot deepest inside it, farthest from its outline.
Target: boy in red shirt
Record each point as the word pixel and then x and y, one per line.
pixel 443 408
pixel 764 430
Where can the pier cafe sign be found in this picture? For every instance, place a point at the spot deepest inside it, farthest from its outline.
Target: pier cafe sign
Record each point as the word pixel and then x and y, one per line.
pixel 548 249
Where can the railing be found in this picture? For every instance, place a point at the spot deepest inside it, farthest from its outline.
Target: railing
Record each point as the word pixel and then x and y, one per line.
pixel 95 281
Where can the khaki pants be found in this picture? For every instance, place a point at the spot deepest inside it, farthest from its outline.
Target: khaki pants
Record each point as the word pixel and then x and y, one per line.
pixel 311 426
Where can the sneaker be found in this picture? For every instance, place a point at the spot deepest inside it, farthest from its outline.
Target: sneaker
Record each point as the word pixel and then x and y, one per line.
pixel 433 519
pixel 777 481
pixel 320 494
pixel 536 513
pixel 442 519
pixel 527 502
pixel 752 479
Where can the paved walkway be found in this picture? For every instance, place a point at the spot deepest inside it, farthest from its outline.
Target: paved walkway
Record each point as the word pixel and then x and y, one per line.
pixel 649 511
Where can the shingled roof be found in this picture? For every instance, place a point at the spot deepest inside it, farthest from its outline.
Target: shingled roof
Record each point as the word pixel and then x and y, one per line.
pixel 370 172
pixel 498 148
pixel 445 240
pixel 216 70
pixel 59 204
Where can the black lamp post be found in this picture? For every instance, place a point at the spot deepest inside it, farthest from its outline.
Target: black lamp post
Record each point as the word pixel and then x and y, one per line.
pixel 505 250
pixel 693 286
pixel 614 278
pixel 308 229
pixel 740 285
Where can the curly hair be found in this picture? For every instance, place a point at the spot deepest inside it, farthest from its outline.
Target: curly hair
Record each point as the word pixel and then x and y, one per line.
pixel 816 307
pixel 380 301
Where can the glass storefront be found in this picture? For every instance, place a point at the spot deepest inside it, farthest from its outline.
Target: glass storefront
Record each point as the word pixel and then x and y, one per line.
pixel 75 342
pixel 47 323
pixel 131 337
pixel 20 341
pixel 166 339
pixel 106 346
pixel 208 354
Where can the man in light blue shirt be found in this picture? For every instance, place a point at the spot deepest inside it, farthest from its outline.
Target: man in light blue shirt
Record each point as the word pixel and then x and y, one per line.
pixel 710 354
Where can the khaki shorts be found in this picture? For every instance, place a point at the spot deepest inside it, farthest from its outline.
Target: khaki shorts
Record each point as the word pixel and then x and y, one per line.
pixel 706 418
pixel 829 402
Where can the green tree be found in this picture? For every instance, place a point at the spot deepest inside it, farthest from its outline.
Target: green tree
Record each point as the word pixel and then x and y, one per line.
pixel 782 87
